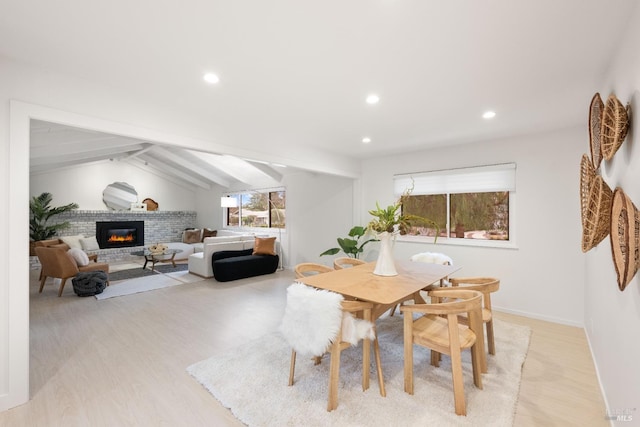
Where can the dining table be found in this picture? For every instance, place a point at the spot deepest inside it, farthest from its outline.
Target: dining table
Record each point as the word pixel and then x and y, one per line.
pixel 384 292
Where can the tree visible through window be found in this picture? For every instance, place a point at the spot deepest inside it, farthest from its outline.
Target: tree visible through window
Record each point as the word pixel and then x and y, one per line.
pixel 258 209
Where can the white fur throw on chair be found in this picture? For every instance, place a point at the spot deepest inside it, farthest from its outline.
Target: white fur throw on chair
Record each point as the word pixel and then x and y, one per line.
pixel 313 317
pixel 432 257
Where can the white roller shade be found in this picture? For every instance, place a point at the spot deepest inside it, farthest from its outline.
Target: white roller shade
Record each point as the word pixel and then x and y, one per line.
pixel 480 179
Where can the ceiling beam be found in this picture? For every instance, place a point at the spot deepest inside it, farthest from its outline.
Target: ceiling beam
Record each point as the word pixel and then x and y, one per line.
pixel 169 169
pixel 150 169
pixel 179 158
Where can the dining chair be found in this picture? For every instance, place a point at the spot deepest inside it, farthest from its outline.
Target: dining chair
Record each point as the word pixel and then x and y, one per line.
pixel 319 321
pixel 310 268
pixel 429 258
pixel 438 329
pixel 346 262
pixel 485 285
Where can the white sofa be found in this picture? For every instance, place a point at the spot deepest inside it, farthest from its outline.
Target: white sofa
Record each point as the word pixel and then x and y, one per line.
pixel 200 261
pixel 190 248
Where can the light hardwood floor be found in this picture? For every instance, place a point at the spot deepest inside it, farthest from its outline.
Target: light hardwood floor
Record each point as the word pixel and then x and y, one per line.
pixel 122 361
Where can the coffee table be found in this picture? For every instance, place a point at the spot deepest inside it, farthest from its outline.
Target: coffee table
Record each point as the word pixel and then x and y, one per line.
pixel 157 257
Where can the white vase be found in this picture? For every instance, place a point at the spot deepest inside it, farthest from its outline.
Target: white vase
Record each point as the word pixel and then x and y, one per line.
pixel 384 264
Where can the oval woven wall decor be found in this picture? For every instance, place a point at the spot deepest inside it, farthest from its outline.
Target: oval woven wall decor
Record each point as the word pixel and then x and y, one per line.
pixel 625 236
pixel 587 174
pixel 614 127
pixel 598 214
pixel 596 110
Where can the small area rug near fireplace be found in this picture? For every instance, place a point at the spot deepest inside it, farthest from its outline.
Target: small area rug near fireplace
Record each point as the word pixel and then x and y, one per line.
pixel 251 380
pixel 135 279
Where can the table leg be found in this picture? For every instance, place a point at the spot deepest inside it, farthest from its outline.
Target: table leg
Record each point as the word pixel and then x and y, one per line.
pixel 146 260
pixel 173 260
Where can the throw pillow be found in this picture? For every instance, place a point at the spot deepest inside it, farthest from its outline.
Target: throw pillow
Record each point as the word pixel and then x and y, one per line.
pixel 207 232
pixel 191 236
pixel 73 241
pixel 78 255
pixel 90 243
pixel 264 246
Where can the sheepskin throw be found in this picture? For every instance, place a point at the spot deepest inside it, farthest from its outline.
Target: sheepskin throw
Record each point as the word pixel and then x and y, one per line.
pixel 311 319
pixel 432 258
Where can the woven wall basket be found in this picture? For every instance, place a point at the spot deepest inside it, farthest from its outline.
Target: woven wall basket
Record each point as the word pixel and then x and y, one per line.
pixel 587 174
pixel 625 236
pixel 597 215
pixel 596 110
pixel 614 127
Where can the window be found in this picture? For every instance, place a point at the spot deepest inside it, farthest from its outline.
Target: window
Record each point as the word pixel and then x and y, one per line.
pixel 260 209
pixel 471 203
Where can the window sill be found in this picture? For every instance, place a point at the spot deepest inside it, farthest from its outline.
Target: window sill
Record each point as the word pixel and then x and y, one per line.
pixel 501 244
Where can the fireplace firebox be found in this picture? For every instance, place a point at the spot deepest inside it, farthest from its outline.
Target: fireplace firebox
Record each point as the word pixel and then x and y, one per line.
pixel 119 234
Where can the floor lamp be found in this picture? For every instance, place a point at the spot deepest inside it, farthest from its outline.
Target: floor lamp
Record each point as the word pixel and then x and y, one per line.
pixel 232 202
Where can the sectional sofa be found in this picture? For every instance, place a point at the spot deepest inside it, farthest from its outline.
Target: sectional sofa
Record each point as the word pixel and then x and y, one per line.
pixel 200 262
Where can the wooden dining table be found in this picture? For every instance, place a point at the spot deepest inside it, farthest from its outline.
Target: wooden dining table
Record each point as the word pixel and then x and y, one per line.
pixel 384 292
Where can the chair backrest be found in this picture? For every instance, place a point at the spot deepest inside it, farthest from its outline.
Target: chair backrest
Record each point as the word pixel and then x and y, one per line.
pixel 486 285
pixel 312 319
pixel 55 262
pixel 458 301
pixel 346 262
pixel 310 268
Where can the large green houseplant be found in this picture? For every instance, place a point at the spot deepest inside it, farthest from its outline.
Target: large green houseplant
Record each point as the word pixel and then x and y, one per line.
pixel 351 245
pixel 41 212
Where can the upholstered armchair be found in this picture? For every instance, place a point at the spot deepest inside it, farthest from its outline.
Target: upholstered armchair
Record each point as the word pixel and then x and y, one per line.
pixel 56 263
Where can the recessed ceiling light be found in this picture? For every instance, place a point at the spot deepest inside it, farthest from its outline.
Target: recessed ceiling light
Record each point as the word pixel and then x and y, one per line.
pixel 366 140
pixel 211 78
pixel 373 99
pixel 489 115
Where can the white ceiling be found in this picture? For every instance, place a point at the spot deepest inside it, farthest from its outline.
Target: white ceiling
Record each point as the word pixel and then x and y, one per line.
pixel 296 73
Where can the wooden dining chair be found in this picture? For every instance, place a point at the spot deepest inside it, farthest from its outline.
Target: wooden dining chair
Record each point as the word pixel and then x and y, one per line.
pixel 317 321
pixel 310 268
pixel 438 329
pixel 487 286
pixel 346 262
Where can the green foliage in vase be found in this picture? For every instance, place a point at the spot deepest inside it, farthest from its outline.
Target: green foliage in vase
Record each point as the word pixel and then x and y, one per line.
pixel 391 219
pixel 352 245
pixel 41 212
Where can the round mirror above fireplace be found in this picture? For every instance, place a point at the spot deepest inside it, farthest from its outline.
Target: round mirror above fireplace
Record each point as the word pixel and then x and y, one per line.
pixel 119 196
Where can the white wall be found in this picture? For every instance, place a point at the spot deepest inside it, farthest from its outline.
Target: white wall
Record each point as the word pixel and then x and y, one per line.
pixel 84 185
pixel 612 317
pixel 544 276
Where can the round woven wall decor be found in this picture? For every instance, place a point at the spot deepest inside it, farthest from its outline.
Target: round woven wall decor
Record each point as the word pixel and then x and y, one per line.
pixel 597 215
pixel 625 236
pixel 614 127
pixel 587 174
pixel 596 110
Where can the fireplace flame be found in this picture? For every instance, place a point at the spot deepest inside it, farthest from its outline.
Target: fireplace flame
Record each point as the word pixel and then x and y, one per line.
pixel 118 239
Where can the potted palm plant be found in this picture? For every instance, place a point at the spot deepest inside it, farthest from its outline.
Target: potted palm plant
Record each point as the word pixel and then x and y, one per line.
pixel 41 212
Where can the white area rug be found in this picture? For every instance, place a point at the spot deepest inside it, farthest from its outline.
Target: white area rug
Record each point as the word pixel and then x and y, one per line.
pixel 147 283
pixel 252 380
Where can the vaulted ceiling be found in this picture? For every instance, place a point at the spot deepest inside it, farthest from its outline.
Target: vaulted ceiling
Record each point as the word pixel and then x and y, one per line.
pixel 294 75
pixel 54 147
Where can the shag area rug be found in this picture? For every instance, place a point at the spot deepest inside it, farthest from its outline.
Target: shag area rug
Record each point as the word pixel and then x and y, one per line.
pixel 251 380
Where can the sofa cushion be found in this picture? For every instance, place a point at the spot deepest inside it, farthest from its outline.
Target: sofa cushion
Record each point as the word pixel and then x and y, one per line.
pixel 89 243
pixel 79 257
pixel 207 232
pixel 191 236
pixel 264 246
pixel 73 241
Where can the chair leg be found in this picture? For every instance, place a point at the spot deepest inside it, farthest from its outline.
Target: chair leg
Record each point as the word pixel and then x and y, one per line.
pixel 435 358
pixel 61 287
pixel 376 350
pixel 366 363
pixel 458 381
pixel 475 362
pixel 490 340
pixel 292 368
pixel 334 372
pixel 408 354
pixel 42 280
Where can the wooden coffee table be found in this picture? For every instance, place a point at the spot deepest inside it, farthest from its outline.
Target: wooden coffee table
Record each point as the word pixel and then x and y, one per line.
pixel 155 257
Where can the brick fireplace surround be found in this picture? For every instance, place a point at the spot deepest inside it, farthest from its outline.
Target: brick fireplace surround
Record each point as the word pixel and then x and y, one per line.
pixel 159 227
